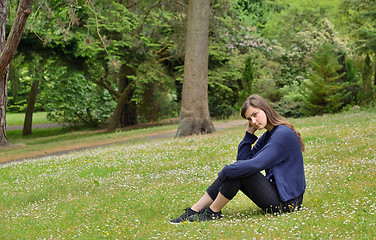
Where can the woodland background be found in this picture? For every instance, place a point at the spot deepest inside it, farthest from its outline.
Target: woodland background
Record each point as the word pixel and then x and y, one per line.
pixel 80 57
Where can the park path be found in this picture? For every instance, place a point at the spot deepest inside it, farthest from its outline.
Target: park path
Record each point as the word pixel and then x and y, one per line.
pixel 87 145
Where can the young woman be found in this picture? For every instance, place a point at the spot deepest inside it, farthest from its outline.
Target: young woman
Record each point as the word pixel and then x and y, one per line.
pixel 278 152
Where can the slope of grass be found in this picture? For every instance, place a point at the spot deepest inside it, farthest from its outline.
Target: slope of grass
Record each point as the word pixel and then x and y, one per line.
pixel 130 191
pixel 52 140
pixel 18 118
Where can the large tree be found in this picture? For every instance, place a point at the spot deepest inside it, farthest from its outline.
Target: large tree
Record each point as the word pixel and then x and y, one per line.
pixel 194 113
pixel 125 47
pixel 8 48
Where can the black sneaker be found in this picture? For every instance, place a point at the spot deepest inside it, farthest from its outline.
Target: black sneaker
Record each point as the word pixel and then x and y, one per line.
pixel 188 213
pixel 205 215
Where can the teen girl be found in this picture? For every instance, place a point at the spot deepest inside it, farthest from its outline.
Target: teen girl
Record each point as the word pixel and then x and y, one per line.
pixel 278 152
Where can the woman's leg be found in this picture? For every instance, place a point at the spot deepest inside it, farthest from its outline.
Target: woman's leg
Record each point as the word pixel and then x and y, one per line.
pixel 204 202
pixel 219 203
pixel 262 192
pixel 259 189
pixel 213 196
pixel 216 197
pixel 209 196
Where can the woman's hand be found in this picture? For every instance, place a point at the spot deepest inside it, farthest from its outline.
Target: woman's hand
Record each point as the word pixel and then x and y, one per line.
pixel 250 128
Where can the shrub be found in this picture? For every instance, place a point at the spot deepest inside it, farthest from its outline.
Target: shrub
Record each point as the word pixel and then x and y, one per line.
pixel 72 99
pixel 322 91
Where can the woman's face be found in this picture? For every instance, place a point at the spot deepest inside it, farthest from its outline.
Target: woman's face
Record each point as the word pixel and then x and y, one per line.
pixel 257 118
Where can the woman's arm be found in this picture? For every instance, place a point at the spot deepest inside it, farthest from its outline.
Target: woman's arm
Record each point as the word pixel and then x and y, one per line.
pixel 267 157
pixel 245 150
pixel 272 153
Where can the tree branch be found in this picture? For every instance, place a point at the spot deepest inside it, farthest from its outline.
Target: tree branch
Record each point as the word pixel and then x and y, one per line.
pixel 132 5
pixel 164 58
pixel 146 15
pixel 104 83
pixel 23 12
pixel 181 4
pixel 98 32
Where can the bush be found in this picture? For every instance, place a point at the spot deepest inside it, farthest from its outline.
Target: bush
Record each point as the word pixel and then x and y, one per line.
pixel 72 99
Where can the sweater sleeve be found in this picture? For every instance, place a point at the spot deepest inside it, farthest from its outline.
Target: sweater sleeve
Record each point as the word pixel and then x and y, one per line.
pixel 245 150
pixel 269 155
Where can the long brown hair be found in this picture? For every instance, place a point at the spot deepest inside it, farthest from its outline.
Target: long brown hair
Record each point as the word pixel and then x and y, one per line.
pixel 272 116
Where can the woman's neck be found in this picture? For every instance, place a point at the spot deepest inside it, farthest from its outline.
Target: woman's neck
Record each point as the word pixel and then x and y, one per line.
pixel 269 127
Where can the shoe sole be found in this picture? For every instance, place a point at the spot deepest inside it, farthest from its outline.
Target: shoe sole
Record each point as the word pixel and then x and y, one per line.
pixel 207 220
pixel 177 223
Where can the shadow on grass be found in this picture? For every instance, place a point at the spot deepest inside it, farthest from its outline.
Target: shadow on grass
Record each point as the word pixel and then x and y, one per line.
pixel 37 133
pixel 245 213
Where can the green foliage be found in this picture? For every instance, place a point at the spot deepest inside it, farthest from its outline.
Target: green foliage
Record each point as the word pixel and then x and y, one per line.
pixel 140 44
pixel 296 16
pixel 231 77
pixel 255 12
pixel 225 64
pixel 248 76
pixel 354 83
pixel 24 70
pixel 155 93
pixel 300 29
pixel 224 86
pixel 323 92
pixel 248 73
pixel 114 45
pixel 308 41
pixel 361 17
pixel 72 99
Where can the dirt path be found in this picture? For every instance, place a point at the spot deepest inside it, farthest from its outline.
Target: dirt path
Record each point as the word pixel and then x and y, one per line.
pixel 87 145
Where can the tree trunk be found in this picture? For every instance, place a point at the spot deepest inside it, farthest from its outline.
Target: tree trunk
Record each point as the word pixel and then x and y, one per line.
pixel 28 123
pixel 125 113
pixel 8 48
pixel 367 75
pixel 14 80
pixel 116 116
pixel 148 109
pixel 129 113
pixel 194 114
pixel 3 76
pixel 3 107
pixel 374 74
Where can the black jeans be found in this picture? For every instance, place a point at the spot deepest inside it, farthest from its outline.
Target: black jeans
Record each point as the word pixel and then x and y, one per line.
pixel 259 189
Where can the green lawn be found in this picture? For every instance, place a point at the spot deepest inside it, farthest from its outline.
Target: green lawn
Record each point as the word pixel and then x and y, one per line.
pixel 130 191
pixel 18 118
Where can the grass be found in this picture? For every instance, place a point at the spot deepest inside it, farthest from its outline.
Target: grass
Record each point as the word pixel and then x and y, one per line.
pixel 131 190
pixel 18 118
pixel 47 141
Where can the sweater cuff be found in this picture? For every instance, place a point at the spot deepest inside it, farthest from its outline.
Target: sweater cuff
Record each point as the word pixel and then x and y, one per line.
pixel 220 176
pixel 250 137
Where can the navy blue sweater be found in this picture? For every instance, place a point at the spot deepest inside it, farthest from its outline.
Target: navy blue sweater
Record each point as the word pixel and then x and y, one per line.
pixel 279 153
